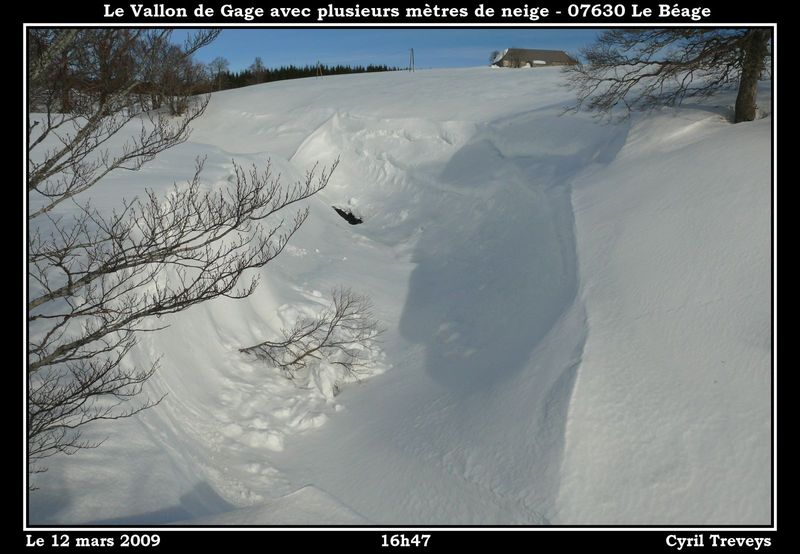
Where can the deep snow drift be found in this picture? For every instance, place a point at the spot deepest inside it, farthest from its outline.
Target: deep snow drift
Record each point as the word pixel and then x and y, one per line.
pixel 578 319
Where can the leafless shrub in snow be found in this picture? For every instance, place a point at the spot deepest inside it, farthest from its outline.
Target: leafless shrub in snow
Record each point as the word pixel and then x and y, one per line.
pixel 342 334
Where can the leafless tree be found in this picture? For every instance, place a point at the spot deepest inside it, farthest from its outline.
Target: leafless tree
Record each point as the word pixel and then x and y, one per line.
pixel 258 71
pixel 343 334
pixel 647 68
pixel 172 78
pixel 68 150
pixel 217 67
pixel 96 279
pixel 183 79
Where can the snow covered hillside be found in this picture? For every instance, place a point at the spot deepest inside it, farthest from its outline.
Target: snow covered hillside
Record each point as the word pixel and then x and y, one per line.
pixel 577 319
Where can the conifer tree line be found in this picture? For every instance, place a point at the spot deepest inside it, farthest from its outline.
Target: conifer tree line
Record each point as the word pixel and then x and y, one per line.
pixel 148 66
pixel 258 73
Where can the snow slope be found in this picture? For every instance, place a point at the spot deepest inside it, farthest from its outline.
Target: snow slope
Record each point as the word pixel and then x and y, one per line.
pixel 578 319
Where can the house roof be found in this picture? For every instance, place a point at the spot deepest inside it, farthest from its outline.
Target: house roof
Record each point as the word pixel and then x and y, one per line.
pixel 525 54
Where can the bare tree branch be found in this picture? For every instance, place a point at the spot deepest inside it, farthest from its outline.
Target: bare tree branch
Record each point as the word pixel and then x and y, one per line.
pixel 100 278
pixel 642 69
pixel 83 82
pixel 97 278
pixel 344 334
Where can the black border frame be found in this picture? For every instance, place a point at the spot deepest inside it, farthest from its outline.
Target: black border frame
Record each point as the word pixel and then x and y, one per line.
pixel 556 535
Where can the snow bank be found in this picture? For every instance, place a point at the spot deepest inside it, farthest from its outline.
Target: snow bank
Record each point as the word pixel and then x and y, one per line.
pixel 577 319
pixel 675 381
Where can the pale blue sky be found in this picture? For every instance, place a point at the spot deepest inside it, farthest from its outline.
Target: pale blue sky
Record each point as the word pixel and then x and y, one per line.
pixel 390 46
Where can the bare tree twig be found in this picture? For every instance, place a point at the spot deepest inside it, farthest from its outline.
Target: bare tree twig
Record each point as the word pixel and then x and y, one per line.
pixel 344 334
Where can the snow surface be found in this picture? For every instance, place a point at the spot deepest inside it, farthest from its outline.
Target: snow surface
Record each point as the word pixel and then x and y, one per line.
pixel 577 314
pixel 307 506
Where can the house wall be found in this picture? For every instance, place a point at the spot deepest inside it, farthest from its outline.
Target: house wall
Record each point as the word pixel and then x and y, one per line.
pixel 524 63
pixel 527 63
